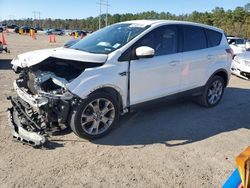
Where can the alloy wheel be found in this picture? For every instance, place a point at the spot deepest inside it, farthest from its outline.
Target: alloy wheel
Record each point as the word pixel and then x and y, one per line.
pixel 215 92
pixel 98 116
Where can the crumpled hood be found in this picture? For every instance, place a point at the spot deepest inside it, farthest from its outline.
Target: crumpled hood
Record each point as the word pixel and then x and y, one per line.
pixel 35 57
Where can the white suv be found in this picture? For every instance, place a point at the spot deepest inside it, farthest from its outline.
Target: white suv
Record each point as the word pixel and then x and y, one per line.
pixel 90 84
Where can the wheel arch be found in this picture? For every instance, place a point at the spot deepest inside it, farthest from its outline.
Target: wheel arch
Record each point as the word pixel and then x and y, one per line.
pixel 112 91
pixel 222 73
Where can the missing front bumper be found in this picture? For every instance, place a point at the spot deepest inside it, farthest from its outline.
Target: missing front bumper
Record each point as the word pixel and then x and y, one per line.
pixel 31 125
pixel 22 135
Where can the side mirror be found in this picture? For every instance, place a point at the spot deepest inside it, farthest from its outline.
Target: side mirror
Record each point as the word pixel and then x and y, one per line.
pixel 145 52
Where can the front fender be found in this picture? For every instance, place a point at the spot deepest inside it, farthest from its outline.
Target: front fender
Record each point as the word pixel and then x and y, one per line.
pixel 100 77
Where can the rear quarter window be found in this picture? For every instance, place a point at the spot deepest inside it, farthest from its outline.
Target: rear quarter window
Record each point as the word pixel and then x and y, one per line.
pixel 213 37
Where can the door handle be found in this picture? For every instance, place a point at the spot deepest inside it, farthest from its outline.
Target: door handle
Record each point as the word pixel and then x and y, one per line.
pixel 210 57
pixel 174 63
pixel 123 73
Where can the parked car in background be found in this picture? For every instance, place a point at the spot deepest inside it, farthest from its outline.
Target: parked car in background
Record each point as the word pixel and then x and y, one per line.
pixel 79 33
pixel 16 29
pixel 248 44
pixel 55 32
pixel 89 85
pixel 241 65
pixel 3 27
pixel 2 48
pixel 13 26
pixel 90 31
pixel 67 31
pixel 237 44
pixel 26 29
pixel 38 28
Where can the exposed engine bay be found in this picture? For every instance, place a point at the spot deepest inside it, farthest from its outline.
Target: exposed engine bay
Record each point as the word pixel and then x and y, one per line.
pixel 43 102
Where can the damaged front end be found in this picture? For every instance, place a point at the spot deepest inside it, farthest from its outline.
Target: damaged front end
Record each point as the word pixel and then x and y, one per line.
pixel 41 107
pixel 43 102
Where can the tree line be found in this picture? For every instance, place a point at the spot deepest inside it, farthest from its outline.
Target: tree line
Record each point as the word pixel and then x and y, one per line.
pixel 233 22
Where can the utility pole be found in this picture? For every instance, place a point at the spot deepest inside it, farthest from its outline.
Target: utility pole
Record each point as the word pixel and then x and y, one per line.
pixel 34 21
pixel 34 12
pixel 39 14
pixel 107 9
pixel 103 3
pixel 12 17
pixel 100 14
pixel 39 17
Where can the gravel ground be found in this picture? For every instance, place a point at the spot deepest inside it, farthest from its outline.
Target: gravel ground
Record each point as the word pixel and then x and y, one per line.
pixel 177 145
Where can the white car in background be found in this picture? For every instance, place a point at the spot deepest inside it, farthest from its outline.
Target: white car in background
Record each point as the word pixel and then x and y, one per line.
pixel 241 65
pixel 238 45
pixel 248 44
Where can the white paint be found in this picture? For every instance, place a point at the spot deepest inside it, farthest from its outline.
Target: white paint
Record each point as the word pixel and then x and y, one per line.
pixel 151 78
pixel 145 51
pixel 35 57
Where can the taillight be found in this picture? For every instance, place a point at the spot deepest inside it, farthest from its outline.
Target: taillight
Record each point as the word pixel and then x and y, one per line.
pixel 230 51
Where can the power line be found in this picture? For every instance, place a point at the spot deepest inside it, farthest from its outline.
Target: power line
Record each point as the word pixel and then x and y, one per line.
pixel 106 4
pixel 34 12
pixel 12 18
pixel 39 15
pixel 107 9
pixel 37 12
pixel 35 17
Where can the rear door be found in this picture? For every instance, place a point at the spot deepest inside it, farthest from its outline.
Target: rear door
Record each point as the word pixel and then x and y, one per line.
pixel 195 57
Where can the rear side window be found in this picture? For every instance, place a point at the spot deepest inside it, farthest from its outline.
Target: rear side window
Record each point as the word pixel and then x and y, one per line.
pixel 213 37
pixel 194 38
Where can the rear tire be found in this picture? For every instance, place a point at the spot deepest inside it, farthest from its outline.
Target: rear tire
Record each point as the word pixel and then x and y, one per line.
pixel 213 92
pixel 95 116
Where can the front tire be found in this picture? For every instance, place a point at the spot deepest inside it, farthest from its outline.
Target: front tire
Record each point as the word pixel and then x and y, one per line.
pixel 95 116
pixel 213 92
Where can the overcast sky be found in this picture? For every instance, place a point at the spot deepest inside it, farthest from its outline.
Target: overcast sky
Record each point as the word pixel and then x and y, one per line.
pixel 83 8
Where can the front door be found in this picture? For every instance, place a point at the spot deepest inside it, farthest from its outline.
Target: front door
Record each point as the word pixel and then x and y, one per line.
pixel 159 76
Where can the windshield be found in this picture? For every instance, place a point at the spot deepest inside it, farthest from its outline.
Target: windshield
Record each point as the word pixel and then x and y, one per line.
pixel 236 41
pixel 109 38
pixel 240 41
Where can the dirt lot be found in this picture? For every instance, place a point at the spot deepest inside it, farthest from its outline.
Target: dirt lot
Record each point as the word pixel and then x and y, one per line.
pixel 177 145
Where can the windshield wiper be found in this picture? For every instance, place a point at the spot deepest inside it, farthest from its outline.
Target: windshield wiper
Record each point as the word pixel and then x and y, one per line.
pixel 77 49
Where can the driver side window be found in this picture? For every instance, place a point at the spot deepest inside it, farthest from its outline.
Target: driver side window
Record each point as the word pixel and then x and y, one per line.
pixel 163 40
